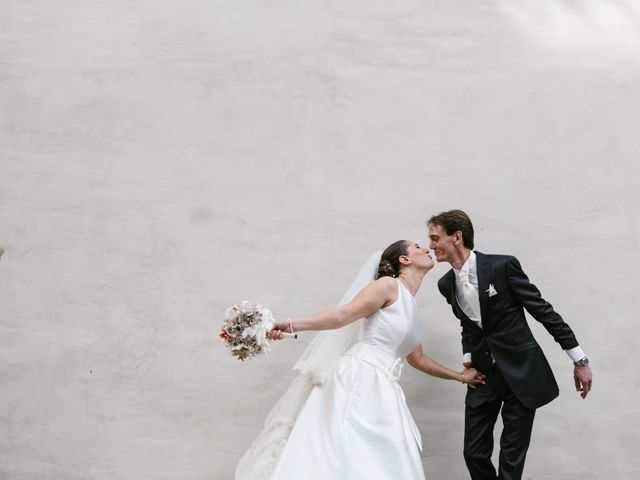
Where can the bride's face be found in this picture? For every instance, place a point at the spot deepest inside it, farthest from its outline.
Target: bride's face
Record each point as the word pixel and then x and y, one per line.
pixel 419 256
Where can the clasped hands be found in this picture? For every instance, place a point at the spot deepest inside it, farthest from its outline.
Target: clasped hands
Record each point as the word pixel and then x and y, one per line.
pixel 471 376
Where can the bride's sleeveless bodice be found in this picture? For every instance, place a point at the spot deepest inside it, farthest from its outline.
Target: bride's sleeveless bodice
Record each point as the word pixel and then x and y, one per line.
pixel 390 334
pixel 394 329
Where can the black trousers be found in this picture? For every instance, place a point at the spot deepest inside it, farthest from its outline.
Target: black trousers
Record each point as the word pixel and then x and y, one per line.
pixel 514 441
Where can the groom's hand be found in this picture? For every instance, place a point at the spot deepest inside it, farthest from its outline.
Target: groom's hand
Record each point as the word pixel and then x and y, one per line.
pixel 583 379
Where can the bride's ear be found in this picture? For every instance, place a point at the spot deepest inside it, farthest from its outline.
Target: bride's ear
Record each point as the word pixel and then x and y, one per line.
pixel 404 260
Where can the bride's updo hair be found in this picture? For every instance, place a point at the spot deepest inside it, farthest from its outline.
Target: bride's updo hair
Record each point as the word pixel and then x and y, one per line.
pixel 390 261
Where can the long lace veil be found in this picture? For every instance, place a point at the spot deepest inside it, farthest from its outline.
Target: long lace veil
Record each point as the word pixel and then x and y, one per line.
pixel 313 367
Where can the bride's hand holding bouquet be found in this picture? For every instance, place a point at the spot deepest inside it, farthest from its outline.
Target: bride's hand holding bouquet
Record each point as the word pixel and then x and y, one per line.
pixel 281 330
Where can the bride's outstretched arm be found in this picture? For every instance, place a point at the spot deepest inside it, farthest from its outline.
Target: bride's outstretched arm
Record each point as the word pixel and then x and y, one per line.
pixel 417 359
pixel 371 298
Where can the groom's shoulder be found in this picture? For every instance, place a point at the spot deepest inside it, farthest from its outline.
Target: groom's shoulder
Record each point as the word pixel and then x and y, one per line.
pixel 495 257
pixel 496 260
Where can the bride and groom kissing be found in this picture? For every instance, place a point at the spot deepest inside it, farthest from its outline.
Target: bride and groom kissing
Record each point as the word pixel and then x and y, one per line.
pixel 345 417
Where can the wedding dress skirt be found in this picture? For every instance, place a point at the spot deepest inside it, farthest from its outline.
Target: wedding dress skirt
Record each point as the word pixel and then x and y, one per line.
pixel 355 425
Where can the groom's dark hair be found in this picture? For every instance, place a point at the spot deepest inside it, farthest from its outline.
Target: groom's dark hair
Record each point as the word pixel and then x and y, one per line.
pixel 453 221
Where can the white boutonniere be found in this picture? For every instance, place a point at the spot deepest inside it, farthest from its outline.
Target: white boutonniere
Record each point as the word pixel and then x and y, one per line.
pixel 491 290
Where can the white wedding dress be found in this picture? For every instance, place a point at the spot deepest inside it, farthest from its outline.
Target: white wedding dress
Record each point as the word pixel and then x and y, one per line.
pixel 356 425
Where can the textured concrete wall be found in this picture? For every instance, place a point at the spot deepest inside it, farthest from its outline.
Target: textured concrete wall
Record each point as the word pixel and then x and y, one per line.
pixel 162 160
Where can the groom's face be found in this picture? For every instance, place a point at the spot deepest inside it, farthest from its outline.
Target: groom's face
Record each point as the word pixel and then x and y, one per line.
pixel 441 243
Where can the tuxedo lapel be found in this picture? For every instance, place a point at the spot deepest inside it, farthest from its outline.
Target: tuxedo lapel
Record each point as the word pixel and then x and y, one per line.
pixel 483 267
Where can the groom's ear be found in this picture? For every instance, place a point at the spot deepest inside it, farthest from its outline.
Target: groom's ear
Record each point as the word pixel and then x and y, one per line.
pixel 457 236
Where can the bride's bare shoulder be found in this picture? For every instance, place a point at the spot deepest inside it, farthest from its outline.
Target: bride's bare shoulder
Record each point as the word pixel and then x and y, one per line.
pixel 387 283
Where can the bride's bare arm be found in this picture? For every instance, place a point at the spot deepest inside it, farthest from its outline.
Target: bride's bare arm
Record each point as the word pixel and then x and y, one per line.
pixel 417 359
pixel 369 300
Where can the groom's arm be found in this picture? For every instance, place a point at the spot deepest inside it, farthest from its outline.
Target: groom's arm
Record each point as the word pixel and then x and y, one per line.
pixel 467 346
pixel 531 299
pixel 529 296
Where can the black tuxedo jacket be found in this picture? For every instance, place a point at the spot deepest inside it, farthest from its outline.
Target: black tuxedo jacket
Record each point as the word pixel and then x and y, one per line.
pixel 505 334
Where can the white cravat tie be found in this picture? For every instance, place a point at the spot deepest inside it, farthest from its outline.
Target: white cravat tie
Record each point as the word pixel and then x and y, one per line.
pixel 470 295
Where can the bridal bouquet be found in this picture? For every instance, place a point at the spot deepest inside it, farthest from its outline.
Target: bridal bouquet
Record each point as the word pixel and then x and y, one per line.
pixel 245 329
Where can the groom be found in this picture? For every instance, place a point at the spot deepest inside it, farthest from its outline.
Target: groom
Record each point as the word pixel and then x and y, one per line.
pixel 489 294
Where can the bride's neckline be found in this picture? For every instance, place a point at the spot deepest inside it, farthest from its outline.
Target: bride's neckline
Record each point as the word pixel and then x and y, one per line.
pixel 406 288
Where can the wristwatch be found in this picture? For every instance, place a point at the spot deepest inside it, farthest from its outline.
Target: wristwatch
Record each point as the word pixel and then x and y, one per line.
pixel 583 362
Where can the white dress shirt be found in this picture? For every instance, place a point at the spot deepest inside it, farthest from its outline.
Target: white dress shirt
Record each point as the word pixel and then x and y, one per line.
pixel 470 310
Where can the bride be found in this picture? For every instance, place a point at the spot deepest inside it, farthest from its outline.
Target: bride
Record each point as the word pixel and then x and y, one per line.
pixel 345 416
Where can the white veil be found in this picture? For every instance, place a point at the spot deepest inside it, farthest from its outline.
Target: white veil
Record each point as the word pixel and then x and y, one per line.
pixel 313 366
